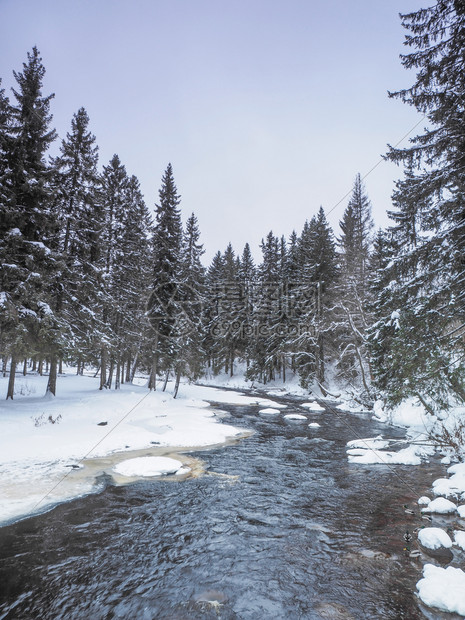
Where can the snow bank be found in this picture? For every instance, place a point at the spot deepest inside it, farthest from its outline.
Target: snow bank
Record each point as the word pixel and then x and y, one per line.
pixel 43 439
pixel 148 466
pixel 454 485
pixel 424 501
pixel 434 538
pixel 440 505
pixel 443 588
pixel 376 443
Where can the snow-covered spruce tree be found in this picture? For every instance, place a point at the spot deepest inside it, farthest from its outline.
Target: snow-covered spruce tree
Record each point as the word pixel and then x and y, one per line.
pixel 426 353
pixel 29 229
pixel 114 185
pixel 77 290
pixel 163 307
pixel 354 244
pixel 190 322
pixel 313 303
pixel 247 278
pixel 213 330
pixel 267 313
pixel 129 281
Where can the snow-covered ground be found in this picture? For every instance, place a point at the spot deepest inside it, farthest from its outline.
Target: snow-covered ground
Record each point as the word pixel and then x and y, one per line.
pixel 52 449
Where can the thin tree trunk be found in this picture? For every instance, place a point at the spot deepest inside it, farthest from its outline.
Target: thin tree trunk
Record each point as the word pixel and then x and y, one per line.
pixel 153 374
pixel 11 380
pixel 47 366
pixel 284 369
pixel 103 370
pixel 60 368
pixel 25 367
pixel 52 377
pixel 166 380
pixel 232 364
pixel 78 367
pixel 34 365
pixel 110 374
pixel 128 370
pixel 41 367
pixel 4 363
pixel 134 367
pixel 176 385
pixel 118 375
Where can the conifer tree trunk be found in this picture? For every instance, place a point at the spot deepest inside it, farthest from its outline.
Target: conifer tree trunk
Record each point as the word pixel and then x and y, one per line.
pixel 122 371
pixel 60 368
pixel 176 385
pixel 134 367
pixel 103 369
pixel 118 375
pixel 128 370
pixel 110 374
pixel 34 365
pixel 167 376
pixel 25 367
pixel 4 363
pixel 284 369
pixel 11 380
pixel 41 367
pixel 52 377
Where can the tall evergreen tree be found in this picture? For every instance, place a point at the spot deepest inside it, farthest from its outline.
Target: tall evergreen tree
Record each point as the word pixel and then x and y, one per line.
pixel 421 348
pixel 25 251
pixel 163 305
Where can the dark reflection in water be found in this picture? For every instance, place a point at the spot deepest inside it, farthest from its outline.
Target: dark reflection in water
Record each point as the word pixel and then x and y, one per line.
pixel 300 534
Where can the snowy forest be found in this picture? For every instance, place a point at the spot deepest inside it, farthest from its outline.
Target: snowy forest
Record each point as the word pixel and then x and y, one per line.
pixel 91 278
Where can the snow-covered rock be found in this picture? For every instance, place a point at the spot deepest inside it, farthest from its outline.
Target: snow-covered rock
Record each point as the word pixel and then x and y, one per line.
pixel 443 588
pixel 440 505
pixel 269 411
pixel 313 406
pixel 314 425
pixel 148 466
pixel 459 537
pixel 376 443
pixel 434 538
pixel 294 416
pixel 407 456
pixel 424 501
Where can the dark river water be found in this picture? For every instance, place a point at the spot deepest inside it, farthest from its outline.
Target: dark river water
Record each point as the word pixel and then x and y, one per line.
pixel 290 530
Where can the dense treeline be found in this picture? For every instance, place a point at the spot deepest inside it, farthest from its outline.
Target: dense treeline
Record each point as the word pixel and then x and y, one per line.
pixel 90 278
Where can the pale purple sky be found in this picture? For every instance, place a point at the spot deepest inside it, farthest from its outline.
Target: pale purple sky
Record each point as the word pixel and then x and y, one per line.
pixel 266 109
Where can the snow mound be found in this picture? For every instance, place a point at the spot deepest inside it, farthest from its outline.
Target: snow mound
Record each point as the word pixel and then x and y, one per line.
pixel 269 411
pixel 443 588
pixel 440 505
pixel 147 466
pixel 378 443
pixel 461 511
pixel 265 403
pixel 453 486
pixel 424 501
pixel 434 538
pixel 460 538
pixel 407 456
pixel 314 425
pixel 313 406
pixel 294 416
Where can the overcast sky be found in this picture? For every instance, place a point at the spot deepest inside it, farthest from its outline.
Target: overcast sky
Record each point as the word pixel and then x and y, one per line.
pixel 266 109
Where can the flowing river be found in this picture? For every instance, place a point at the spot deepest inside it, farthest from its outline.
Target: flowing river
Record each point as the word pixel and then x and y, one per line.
pixel 280 526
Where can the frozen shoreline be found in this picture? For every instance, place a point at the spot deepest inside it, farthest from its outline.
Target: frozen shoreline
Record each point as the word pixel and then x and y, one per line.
pixel 52 449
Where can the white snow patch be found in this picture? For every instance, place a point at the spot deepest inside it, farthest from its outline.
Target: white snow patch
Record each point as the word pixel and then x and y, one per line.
pixel 407 456
pixel 294 416
pixel 434 538
pixel 424 501
pixel 314 425
pixel 148 466
pixel 440 505
pixel 269 411
pixel 313 406
pixel 443 588
pixel 461 511
pixel 377 443
pixel 459 537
